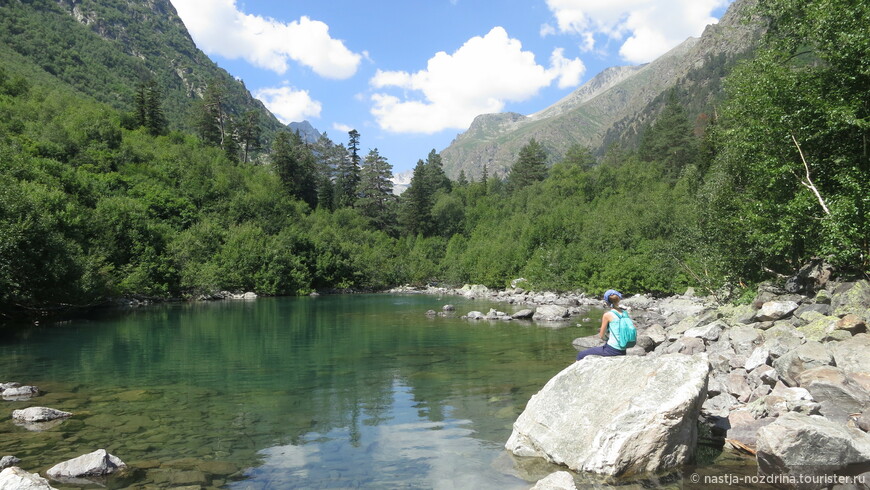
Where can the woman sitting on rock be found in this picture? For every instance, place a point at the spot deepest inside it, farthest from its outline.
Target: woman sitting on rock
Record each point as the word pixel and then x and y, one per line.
pixel 611 346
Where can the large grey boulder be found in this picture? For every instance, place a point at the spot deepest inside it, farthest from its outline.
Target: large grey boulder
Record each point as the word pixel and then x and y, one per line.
pixel 14 478
pixel 797 444
pixel 649 424
pixel 97 463
pixel 852 298
pixel 852 355
pixel 838 394
pixel 550 313
pixel 806 356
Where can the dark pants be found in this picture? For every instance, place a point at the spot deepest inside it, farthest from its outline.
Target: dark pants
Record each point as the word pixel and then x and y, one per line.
pixel 602 350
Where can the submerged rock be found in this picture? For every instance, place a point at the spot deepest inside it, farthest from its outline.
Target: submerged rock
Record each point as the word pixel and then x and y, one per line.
pixel 649 424
pixel 560 480
pixel 39 414
pixel 20 393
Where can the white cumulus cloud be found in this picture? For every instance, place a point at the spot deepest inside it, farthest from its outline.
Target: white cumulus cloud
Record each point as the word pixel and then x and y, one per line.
pixel 219 27
pixel 646 28
pixel 288 104
pixel 478 78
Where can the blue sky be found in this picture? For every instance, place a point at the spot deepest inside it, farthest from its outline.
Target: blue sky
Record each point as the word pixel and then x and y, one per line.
pixel 410 75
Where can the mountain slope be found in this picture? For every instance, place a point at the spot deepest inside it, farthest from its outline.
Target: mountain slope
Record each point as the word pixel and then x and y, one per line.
pixel 616 95
pixel 105 49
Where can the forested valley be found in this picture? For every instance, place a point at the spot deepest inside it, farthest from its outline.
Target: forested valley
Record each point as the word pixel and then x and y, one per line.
pixel 98 202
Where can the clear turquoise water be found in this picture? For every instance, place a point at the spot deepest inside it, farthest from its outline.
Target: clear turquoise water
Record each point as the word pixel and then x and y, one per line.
pixel 333 391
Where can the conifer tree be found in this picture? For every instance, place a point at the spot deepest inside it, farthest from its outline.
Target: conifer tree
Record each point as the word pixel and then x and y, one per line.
pixel 249 133
pixel 531 166
pixel 294 164
pixel 670 140
pixel 348 173
pixel 149 112
pixel 375 194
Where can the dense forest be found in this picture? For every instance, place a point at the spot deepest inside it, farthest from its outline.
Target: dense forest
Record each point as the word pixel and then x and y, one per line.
pixel 97 202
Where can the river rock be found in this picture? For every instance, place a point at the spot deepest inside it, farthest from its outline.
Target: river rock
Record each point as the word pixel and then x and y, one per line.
pixel 851 355
pixel 744 339
pixel 758 358
pixel 744 427
pixel 686 345
pixel 837 393
pixel 775 310
pixel 583 343
pixel 20 393
pixel 806 356
pixel 8 461
pixel 14 478
pixel 784 399
pixel 781 340
pixel 39 414
pixel 550 313
pixel 719 405
pixel 656 333
pixel 797 444
pixel 852 298
pixel 650 424
pixel 709 332
pixel 863 421
pixel 818 328
pixel 560 480
pixel 523 314
pixel 810 278
pixel 97 463
pixel 475 315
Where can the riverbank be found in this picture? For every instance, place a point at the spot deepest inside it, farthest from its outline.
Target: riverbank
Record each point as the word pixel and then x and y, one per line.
pixel 788 371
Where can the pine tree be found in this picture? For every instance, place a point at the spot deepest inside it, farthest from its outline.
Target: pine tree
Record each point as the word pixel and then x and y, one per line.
pixel 249 133
pixel 670 140
pixel 416 203
pixel 148 111
pixel 348 173
pixel 376 199
pixel 294 164
pixel 531 166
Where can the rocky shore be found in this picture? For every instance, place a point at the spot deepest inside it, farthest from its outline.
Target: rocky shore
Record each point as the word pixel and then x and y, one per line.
pixel 788 377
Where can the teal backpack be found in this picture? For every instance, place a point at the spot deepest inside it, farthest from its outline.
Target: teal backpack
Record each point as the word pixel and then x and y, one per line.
pixel 625 333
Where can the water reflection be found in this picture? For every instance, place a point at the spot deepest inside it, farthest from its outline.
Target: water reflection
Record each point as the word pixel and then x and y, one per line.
pixel 407 451
pixel 329 391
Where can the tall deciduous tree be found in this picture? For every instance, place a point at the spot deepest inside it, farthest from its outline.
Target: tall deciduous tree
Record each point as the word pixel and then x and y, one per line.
pixel 211 118
pixel 792 178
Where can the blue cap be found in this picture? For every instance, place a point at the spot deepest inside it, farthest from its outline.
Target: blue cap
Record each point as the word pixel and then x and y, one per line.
pixel 611 292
